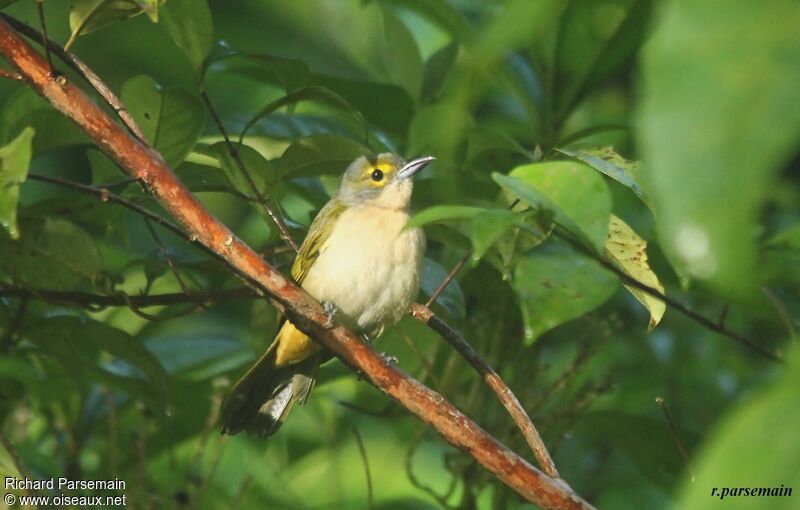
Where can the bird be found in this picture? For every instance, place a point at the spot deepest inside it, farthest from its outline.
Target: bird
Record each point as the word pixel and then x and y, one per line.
pixel 361 263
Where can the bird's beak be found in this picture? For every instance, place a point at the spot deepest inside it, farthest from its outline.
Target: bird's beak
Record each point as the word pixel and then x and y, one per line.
pixel 414 166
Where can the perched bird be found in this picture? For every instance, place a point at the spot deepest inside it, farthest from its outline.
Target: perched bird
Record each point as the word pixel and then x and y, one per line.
pixel 360 263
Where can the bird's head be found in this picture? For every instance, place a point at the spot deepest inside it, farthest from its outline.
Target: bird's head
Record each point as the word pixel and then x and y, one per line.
pixel 384 180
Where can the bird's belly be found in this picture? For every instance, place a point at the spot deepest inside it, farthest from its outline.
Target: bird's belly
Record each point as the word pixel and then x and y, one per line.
pixel 368 268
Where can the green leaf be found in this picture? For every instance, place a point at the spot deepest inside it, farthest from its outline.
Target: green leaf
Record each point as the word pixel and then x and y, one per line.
pixel 577 196
pixel 519 23
pixel 51 254
pixel 437 69
pixel 15 159
pixel 171 119
pixel 89 15
pixel 263 172
pixel 482 142
pixel 555 285
pixel 443 213
pixel 289 73
pixel 629 252
pixel 388 106
pixel 598 37
pixel 311 93
pixel 25 108
pixel 648 442
pixel 319 154
pixel 538 225
pixel 401 55
pixel 763 433
pixel 608 162
pixel 441 13
pixel 188 22
pixel 75 343
pixel 488 227
pixel 714 136
pixel 451 298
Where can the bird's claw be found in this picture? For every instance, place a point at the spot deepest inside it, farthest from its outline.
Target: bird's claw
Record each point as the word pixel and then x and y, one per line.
pixel 388 358
pixel 330 313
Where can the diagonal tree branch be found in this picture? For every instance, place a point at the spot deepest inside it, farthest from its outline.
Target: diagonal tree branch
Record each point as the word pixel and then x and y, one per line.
pixel 147 165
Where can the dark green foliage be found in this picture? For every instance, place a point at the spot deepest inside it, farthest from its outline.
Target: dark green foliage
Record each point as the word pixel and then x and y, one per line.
pixel 539 114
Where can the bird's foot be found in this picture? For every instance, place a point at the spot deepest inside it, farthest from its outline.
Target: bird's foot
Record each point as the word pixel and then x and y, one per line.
pixel 388 358
pixel 330 313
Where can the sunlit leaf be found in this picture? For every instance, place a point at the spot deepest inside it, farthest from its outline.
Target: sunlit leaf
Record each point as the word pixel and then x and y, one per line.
pixel 172 119
pixel 88 15
pixel 576 194
pixel 443 213
pixel 15 159
pixel 629 252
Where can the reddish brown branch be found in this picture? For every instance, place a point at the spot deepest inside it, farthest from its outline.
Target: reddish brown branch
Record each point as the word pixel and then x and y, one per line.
pixel 149 167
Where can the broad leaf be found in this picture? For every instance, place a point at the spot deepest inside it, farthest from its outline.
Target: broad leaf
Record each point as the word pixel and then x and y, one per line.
pixel 598 36
pixel 171 119
pixel 188 22
pixel 555 284
pixel 576 194
pixel 401 55
pixel 311 93
pixel 437 69
pixel 76 343
pixel 763 433
pixel 88 15
pixel 714 136
pixel 319 154
pixel 444 213
pixel 629 251
pixel 607 161
pixel 51 254
pixel 15 158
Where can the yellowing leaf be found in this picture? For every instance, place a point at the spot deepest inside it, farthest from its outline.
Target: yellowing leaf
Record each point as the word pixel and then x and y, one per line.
pixel 629 252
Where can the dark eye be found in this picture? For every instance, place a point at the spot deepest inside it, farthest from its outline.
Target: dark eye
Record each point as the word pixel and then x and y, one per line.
pixel 377 175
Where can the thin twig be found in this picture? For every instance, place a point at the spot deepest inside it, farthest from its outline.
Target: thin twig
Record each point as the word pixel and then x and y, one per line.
pixel 449 278
pixel 660 403
pixel 86 299
pixel 11 75
pixel 234 152
pixel 15 458
pixel 783 313
pixel 569 237
pixel 363 452
pixel 166 256
pixel 495 382
pixel 40 8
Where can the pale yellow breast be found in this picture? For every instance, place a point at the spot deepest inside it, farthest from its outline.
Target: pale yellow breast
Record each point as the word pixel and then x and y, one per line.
pixel 368 268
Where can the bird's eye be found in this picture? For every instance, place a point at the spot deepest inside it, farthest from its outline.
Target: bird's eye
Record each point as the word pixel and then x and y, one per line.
pixel 377 175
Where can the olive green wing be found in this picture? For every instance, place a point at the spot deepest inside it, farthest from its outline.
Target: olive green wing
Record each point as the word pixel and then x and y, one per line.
pixel 320 230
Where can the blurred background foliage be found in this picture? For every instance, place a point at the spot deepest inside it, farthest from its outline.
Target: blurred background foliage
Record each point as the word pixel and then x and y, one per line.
pixel 552 102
